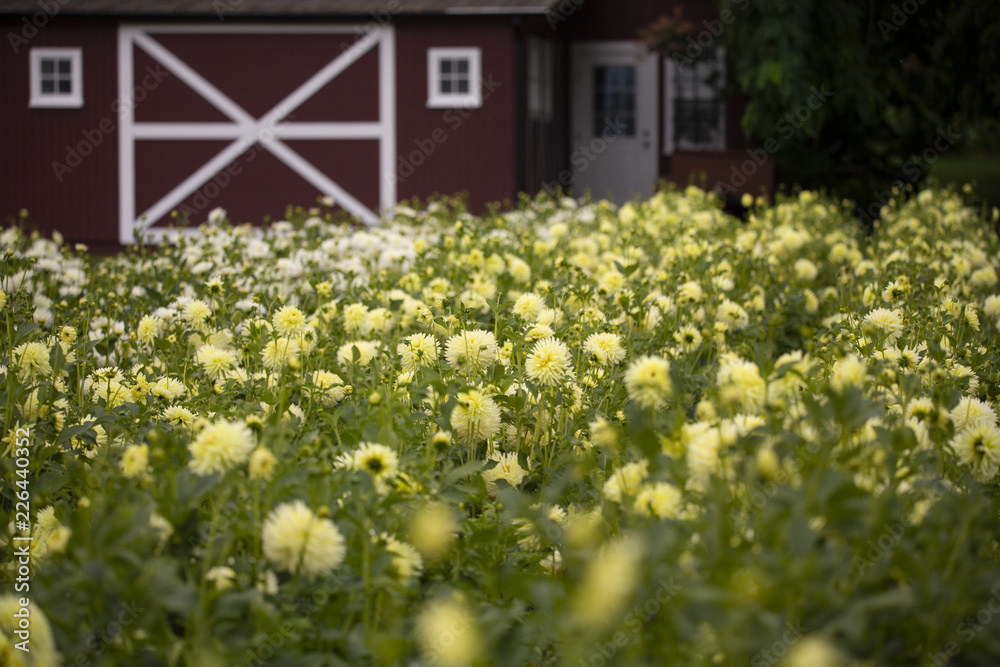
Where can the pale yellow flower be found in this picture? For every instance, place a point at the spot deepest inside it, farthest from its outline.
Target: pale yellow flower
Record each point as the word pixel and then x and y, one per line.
pixel 648 382
pixel 607 348
pixel 549 362
pixel 262 463
pixel 508 469
pixel 476 417
pixel 661 499
pixel 31 361
pixel 978 446
pixel 471 351
pixel 432 529
pixel 135 460
pixel 196 313
pixel 289 321
pixel 740 385
pixel 417 350
pixel 298 541
pixel 448 633
pixel 220 446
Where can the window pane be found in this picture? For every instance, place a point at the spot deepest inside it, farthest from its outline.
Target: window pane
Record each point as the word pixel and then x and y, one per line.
pixel 48 86
pixel 463 66
pixel 445 66
pixel 698 105
pixel 48 66
pixel 64 66
pixel 445 85
pixel 463 85
pixel 614 98
pixel 65 86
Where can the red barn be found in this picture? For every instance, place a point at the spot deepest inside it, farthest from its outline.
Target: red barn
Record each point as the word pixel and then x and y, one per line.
pixel 118 113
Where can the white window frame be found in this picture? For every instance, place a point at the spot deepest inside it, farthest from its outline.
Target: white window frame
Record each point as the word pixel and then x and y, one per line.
pixel 669 92
pixel 40 100
pixel 470 100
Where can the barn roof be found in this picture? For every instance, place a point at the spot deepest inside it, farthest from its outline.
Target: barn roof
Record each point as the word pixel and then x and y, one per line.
pixel 284 7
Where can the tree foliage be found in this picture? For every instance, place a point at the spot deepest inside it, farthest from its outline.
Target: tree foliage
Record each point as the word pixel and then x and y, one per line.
pixel 902 73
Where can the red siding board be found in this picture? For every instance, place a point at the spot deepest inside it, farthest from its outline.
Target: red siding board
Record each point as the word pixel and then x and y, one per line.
pixel 160 166
pixel 81 203
pixel 353 164
pixel 451 151
pixel 351 96
pixel 167 98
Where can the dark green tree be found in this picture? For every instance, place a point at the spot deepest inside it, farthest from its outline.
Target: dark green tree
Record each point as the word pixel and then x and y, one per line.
pixel 910 80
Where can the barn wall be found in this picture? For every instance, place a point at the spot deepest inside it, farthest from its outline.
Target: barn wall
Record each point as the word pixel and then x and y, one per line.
pixel 83 202
pixel 450 151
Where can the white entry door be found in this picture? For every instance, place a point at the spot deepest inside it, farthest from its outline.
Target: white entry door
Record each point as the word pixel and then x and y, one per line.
pixel 614 141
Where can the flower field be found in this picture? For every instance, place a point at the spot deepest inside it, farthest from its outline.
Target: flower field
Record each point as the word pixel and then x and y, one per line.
pixel 569 434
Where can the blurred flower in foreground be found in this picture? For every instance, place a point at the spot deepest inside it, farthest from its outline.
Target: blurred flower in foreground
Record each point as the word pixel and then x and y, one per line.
pixel 609 581
pixel 297 540
pixel 448 632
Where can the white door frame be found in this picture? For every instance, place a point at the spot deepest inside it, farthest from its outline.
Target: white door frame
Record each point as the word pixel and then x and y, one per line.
pixel 637 161
pixel 243 130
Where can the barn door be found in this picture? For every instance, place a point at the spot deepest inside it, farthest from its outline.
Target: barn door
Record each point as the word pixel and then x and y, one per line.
pixel 251 118
pixel 614 139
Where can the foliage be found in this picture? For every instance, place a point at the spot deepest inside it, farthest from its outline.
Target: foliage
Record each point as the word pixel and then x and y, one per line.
pixel 800 486
pixel 900 73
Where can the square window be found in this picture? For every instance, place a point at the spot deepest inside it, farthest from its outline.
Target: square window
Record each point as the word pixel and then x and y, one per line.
pixel 454 78
pixel 56 78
